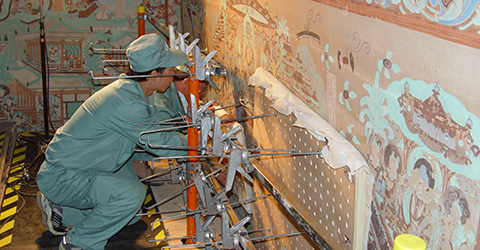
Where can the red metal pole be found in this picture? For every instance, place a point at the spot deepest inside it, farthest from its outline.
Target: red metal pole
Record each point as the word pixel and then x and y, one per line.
pixel 166 14
pixel 192 138
pixel 141 20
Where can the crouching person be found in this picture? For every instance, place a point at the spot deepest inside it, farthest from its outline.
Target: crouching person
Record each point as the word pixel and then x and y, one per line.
pixel 89 189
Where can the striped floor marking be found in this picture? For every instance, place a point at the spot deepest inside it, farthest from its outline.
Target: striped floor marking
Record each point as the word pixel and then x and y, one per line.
pixel 10 199
pixel 2 138
pixel 149 201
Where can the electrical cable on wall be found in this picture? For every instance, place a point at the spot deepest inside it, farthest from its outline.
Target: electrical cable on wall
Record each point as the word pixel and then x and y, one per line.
pixel 48 92
pixel 43 53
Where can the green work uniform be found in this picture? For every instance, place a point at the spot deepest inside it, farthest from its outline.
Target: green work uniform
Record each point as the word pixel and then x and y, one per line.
pixel 87 168
pixel 168 104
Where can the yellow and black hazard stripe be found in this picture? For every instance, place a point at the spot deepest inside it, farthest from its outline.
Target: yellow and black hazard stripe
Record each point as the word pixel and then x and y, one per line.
pixel 10 199
pixel 2 137
pixel 155 226
pixel 149 200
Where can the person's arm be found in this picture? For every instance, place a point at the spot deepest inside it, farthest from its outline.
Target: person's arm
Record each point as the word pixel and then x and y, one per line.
pixel 163 105
pixel 134 119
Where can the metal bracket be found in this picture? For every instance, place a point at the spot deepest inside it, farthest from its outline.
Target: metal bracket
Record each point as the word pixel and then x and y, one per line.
pixel 179 42
pixel 234 167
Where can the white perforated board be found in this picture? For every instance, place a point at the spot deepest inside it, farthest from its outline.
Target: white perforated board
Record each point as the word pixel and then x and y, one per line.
pixel 268 214
pixel 324 197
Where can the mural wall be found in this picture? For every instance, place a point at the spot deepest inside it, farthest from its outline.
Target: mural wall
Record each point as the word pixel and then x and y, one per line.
pixel 76 31
pixel 401 87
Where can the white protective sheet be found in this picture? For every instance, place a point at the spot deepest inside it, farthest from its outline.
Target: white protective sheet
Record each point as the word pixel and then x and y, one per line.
pixel 337 154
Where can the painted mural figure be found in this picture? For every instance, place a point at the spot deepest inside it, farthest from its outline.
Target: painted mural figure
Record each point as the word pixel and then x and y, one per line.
pixel 389 191
pixel 417 214
pixel 456 220
pixel 20 122
pixel 9 107
pixel 31 7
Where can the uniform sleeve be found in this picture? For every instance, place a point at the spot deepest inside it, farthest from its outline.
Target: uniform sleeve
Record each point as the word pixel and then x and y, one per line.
pixel 168 104
pixel 133 119
pixel 163 106
pixel 142 156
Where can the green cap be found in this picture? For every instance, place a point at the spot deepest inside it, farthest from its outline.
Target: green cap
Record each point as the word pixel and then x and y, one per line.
pixel 150 52
pixel 210 82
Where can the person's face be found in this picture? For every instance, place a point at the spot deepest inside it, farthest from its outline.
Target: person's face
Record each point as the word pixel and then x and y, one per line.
pixel 162 83
pixel 202 89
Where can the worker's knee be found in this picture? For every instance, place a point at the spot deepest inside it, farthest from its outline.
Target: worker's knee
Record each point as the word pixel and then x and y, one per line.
pixel 133 192
pixel 140 192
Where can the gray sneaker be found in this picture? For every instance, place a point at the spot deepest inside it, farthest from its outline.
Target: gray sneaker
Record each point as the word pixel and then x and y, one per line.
pixel 51 215
pixel 66 243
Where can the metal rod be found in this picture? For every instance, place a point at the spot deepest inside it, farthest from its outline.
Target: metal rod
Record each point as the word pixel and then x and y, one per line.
pixel 249 200
pixel 159 174
pixel 163 212
pixel 248 117
pixel 105 50
pixel 174 147
pixel 286 154
pixel 228 156
pixel 197 211
pixel 216 171
pixel 130 77
pixel 227 107
pixel 234 105
pixel 159 123
pixel 258 231
pixel 185 156
pixel 179 216
pixel 180 238
pixel 221 242
pixel 159 130
pixel 171 146
pixel 147 17
pixel 270 149
pixel 243 233
pixel 192 140
pixel 193 245
pixel 170 197
pixel 276 236
pixel 183 189
pixel 159 180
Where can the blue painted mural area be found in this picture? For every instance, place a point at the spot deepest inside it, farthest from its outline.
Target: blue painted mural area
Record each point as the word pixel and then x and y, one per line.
pixel 462 14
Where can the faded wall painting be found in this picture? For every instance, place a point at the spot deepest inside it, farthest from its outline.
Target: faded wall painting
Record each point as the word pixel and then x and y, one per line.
pixel 384 87
pixel 76 34
pixel 457 21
